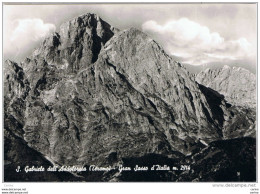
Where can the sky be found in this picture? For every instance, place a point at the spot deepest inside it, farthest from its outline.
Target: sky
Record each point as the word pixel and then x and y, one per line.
pixel 196 34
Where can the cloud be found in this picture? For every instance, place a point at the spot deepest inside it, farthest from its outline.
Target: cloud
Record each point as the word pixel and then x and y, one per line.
pixel 23 34
pixel 188 39
pixel 34 29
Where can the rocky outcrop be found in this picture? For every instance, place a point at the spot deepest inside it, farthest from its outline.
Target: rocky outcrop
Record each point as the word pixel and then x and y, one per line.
pixel 238 85
pixel 77 44
pixel 92 95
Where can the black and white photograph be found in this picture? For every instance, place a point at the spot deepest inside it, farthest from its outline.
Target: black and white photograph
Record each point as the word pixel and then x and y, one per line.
pixel 129 92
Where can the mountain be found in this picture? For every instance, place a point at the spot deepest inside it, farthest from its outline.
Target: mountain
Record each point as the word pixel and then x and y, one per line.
pixel 247 64
pixel 94 95
pixel 238 85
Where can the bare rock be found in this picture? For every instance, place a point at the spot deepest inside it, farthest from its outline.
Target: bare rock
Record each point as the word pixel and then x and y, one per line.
pixel 238 85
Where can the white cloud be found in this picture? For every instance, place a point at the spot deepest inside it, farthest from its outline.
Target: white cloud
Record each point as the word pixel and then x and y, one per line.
pixel 188 39
pixel 23 34
pixel 33 29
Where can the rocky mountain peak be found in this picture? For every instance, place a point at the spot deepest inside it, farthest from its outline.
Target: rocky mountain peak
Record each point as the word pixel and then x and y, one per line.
pixel 87 22
pixel 77 44
pixel 149 70
pixel 237 84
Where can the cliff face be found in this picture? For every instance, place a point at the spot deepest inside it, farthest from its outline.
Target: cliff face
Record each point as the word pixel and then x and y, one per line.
pixel 77 44
pixel 93 95
pixel 238 85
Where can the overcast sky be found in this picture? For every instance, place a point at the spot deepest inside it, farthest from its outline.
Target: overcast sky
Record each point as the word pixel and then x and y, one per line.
pixel 195 33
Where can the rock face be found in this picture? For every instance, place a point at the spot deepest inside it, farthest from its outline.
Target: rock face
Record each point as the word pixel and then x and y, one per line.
pixel 238 85
pixel 91 94
pixel 77 44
